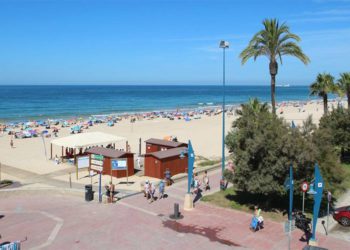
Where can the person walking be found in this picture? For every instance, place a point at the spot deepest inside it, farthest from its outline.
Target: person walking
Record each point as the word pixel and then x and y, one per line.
pixel 196 184
pixel 146 189
pixel 161 189
pixel 152 192
pixel 11 143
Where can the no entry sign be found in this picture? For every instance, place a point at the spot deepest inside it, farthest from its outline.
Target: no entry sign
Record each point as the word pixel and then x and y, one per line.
pixel 304 187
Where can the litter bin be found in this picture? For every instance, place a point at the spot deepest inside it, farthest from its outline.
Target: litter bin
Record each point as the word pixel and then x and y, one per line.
pixel 89 195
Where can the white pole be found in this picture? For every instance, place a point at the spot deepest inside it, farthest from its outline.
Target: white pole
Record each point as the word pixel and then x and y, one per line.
pixel 327 215
pixel 303 202
pixel 289 233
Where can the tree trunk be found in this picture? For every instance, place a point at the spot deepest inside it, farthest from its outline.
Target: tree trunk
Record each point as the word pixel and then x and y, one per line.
pixel 273 87
pixel 348 96
pixel 273 72
pixel 325 104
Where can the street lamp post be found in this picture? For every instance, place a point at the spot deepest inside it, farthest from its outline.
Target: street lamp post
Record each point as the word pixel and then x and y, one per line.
pixel 224 45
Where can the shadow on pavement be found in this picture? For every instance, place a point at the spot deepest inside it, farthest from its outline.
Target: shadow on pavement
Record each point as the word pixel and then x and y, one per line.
pixel 209 232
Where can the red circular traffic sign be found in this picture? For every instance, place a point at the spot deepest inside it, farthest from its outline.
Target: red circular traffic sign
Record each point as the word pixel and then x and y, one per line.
pixel 304 186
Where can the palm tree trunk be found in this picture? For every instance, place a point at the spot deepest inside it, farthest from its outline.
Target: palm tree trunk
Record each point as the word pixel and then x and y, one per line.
pixel 273 88
pixel 348 96
pixel 273 66
pixel 325 104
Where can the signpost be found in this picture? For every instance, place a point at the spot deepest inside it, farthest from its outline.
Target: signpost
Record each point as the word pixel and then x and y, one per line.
pixel 188 204
pixel 319 184
pixel 96 163
pixel 304 188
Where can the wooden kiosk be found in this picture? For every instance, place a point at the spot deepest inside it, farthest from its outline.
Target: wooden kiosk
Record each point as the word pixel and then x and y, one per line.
pixel 109 155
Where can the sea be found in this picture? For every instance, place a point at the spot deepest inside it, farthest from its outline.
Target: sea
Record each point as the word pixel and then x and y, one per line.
pixel 39 102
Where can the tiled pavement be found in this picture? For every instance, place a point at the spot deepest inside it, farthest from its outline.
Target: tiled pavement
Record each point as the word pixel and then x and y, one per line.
pixel 132 223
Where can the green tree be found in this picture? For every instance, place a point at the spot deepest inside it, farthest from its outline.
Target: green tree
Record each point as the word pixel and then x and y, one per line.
pixel 323 85
pixel 274 42
pixel 253 106
pixel 337 126
pixel 264 147
pixel 308 127
pixel 344 85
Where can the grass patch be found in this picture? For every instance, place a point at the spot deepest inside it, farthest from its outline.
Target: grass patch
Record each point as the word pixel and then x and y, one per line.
pixel 208 163
pixel 243 202
pixel 275 210
pixel 5 183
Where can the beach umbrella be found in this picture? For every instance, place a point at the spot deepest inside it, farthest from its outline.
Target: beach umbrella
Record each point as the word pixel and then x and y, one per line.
pixel 27 134
pixel 76 128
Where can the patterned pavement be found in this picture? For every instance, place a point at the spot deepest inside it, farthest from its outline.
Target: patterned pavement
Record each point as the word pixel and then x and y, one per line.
pixel 60 220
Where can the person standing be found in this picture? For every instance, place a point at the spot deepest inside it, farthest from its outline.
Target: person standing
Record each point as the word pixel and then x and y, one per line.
pixel 206 181
pixel 11 143
pixel 169 181
pixel 111 189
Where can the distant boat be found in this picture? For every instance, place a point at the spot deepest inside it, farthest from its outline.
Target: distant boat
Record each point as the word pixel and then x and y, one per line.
pixel 283 85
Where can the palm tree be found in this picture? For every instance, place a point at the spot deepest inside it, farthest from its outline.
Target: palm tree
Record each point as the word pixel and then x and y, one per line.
pixel 323 85
pixel 344 85
pixel 308 127
pixel 274 41
pixel 254 106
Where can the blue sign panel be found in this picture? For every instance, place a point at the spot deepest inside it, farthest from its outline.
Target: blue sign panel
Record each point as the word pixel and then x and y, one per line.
pixel 319 185
pixel 119 164
pixel 191 157
pixel 291 190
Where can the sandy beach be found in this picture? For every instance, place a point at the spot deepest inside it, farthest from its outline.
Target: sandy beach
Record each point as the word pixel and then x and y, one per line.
pixel 205 135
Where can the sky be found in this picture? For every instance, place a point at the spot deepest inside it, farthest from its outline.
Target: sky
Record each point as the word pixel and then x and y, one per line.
pixel 164 42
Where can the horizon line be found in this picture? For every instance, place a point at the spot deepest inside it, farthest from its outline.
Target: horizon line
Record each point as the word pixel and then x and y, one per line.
pixel 145 84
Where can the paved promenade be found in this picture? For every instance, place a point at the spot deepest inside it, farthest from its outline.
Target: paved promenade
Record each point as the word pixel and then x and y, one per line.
pixel 63 220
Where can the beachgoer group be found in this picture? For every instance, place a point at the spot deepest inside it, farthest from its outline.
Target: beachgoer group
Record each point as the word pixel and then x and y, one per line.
pixel 149 190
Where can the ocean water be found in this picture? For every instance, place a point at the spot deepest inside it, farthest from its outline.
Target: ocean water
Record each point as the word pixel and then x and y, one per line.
pixel 21 103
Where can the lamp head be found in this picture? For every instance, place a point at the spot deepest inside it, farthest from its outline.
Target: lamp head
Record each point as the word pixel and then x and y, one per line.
pixel 182 154
pixel 224 44
pixel 312 189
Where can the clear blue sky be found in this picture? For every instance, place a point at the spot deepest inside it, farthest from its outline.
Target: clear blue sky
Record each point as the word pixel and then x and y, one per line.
pixel 163 42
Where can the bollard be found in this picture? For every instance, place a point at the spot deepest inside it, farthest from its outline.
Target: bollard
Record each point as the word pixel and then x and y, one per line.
pixel 176 210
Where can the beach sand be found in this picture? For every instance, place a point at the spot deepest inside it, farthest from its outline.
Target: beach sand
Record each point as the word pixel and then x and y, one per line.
pixel 205 135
